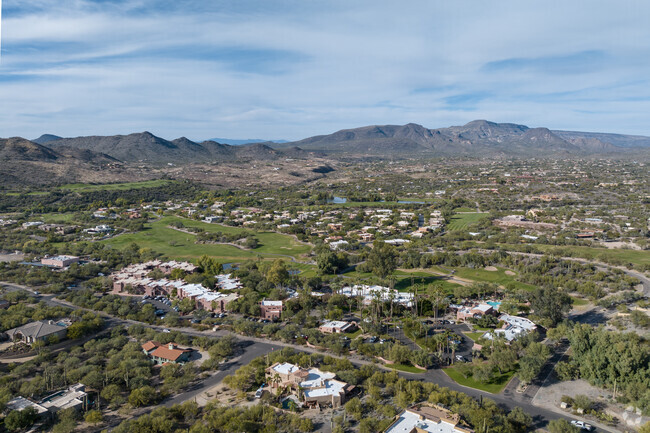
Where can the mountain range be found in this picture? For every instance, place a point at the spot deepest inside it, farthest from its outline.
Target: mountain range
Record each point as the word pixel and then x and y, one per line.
pixel 146 147
pixel 479 137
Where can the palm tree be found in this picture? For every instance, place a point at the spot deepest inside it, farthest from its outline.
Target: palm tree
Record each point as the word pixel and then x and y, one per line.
pixel 275 381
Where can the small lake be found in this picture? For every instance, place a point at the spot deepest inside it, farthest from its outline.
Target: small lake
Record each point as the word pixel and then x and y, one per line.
pixel 409 202
pixel 338 200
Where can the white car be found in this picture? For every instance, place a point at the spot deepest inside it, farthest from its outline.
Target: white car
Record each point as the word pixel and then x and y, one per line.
pixel 166 331
pixel 582 425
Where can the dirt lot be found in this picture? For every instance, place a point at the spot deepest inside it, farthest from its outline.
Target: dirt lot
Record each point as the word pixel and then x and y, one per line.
pixel 11 257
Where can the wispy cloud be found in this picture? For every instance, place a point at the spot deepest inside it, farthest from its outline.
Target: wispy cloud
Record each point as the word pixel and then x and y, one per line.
pixel 290 68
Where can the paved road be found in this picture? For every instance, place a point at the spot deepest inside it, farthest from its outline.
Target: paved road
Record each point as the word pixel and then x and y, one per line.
pixel 251 351
pixel 254 347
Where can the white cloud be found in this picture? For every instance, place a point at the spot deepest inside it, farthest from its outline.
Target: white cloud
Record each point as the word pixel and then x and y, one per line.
pixel 290 70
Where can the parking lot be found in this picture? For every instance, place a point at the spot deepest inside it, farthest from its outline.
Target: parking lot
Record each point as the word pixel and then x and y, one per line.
pixel 161 304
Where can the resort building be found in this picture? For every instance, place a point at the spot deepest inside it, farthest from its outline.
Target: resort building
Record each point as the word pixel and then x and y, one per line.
pixel 270 310
pixel 59 261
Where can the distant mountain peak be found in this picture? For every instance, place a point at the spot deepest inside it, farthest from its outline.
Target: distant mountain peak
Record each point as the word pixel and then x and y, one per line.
pixel 46 138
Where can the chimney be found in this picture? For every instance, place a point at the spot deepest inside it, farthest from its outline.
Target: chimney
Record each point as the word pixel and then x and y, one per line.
pixel 171 346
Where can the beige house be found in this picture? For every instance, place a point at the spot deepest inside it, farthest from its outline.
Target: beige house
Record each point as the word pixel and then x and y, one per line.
pixel 312 386
pixel 40 330
pixel 337 327
pixel 427 419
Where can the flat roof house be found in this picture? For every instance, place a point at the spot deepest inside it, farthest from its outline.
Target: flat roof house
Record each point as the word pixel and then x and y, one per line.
pixel 72 398
pixel 40 330
pixel 513 326
pixel 337 327
pixel 427 419
pixel 59 261
pixel 312 385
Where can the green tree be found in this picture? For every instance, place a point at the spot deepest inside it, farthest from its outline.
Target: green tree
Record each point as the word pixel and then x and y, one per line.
pixel 504 359
pixel 354 408
pixel 277 273
pixel 550 305
pixel 209 265
pixel 21 419
pixel 382 259
pixel 561 426
pixel 518 420
pixel 94 417
pixel 142 396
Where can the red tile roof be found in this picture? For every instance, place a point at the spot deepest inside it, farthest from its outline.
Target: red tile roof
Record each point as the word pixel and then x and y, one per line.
pixel 150 345
pixel 164 352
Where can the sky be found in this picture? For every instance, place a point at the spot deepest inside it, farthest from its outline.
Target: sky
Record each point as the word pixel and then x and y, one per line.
pixel 292 69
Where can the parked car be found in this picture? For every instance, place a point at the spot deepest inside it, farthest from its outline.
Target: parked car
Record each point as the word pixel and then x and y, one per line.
pixel 372 340
pixel 460 358
pixel 582 425
pixel 166 331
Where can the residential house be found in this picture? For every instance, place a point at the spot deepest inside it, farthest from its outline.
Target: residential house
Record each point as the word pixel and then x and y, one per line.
pixel 337 327
pixel 166 353
pixel 513 327
pixel 40 330
pixel 427 419
pixel 312 386
pixel 74 397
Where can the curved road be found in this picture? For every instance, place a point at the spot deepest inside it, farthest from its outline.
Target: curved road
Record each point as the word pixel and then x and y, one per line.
pixel 253 347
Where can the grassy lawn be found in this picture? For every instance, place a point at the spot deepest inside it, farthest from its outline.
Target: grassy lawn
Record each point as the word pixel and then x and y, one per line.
pixel 635 257
pixel 495 386
pixel 85 187
pixel 355 334
pixel 465 220
pixel 403 281
pixel 475 336
pixel 406 368
pixel 577 302
pixel 499 277
pixel 465 209
pixel 178 245
pixel 57 217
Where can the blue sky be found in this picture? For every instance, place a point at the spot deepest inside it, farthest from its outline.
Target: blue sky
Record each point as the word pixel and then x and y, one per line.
pixel 292 69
